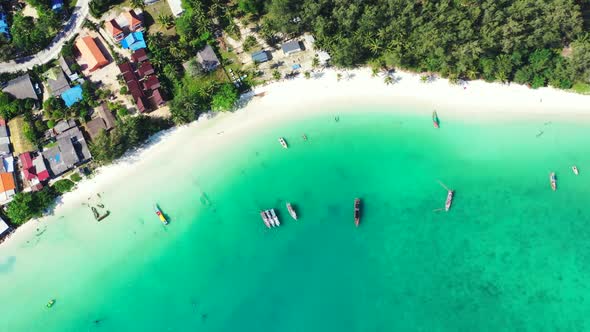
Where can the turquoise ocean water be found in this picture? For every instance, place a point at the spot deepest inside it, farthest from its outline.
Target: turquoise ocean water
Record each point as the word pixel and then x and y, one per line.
pixel 510 256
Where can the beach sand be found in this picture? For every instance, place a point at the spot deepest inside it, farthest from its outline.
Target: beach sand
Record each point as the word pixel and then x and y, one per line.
pixel 288 100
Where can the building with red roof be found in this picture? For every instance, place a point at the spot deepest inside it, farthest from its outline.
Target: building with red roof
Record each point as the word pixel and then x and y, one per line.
pixel 125 67
pixel 91 53
pixel 145 69
pixel 134 21
pixel 151 83
pixel 114 30
pixel 27 165
pixel 139 56
pixel 34 169
pixel 156 98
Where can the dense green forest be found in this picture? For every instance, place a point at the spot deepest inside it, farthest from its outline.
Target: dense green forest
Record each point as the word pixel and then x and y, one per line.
pixel 535 42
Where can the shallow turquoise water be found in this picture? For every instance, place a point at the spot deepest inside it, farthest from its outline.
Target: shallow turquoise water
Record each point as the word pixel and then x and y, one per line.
pixel 510 256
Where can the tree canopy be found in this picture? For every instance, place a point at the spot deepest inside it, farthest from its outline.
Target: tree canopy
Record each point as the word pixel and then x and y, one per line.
pixel 27 205
pixel 520 40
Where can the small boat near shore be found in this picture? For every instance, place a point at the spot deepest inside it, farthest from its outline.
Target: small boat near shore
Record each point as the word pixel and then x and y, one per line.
pixel 450 195
pixel 449 201
pixel 435 120
pixel 160 215
pixel 575 170
pixel 553 181
pixel 274 217
pixel 283 142
pixel 265 219
pixel 269 218
pixel 357 211
pixel 291 211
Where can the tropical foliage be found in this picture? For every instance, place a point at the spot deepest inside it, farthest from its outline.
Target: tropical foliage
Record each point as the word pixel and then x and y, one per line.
pixel 498 40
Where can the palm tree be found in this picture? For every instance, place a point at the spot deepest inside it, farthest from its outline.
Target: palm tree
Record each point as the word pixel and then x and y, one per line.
pixel 388 80
pixel 338 77
pixel 167 21
pixel 374 71
pixel 374 45
pixel 315 62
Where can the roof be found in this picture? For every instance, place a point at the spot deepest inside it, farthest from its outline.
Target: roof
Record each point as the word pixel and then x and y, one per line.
pixel 3 131
pixel 175 7
pixel 134 41
pixel 91 53
pixel 75 135
pixel 139 55
pixel 71 149
pixel 107 116
pixel 207 58
pixel 21 88
pixel 125 67
pixel 129 76
pixel 145 69
pixel 72 95
pixel 3 24
pixel 8 163
pixel 7 182
pixel 27 165
pixel 56 79
pixel 132 19
pixel 95 126
pixel 156 97
pixel 3 226
pixel 65 66
pixel 135 89
pixel 113 28
pixel 151 83
pixel 260 56
pixel 57 4
pixel 4 148
pixel 40 168
pixel 291 47
pixel 140 104
pixel 63 125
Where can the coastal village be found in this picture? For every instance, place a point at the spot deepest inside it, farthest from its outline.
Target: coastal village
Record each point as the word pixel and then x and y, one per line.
pixel 55 115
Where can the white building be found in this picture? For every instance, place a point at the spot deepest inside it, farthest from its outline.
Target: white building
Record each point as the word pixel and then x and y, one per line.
pixel 175 7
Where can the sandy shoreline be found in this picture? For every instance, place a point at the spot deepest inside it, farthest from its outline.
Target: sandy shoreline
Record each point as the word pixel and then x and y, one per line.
pixel 301 97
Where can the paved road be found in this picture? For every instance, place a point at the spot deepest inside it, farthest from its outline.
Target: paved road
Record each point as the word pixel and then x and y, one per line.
pixel 73 25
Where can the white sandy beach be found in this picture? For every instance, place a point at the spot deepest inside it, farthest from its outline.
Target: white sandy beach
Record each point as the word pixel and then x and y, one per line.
pixel 300 97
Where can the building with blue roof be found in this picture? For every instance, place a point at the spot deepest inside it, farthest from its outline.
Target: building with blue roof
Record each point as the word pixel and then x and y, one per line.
pixel 134 41
pixel 4 25
pixel 72 95
pixel 57 5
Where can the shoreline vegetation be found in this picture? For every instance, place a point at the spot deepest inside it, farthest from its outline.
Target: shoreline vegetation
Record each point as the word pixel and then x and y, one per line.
pixel 318 96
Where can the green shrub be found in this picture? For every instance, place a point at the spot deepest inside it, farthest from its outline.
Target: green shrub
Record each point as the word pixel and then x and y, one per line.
pixel 63 186
pixel 76 177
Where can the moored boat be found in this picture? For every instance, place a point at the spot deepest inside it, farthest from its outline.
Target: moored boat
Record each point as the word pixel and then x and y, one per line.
pixel 291 211
pixel 435 120
pixel 575 169
pixel 269 218
pixel 274 217
pixel 357 211
pixel 553 181
pixel 283 142
pixel 160 215
pixel 265 219
pixel 449 202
